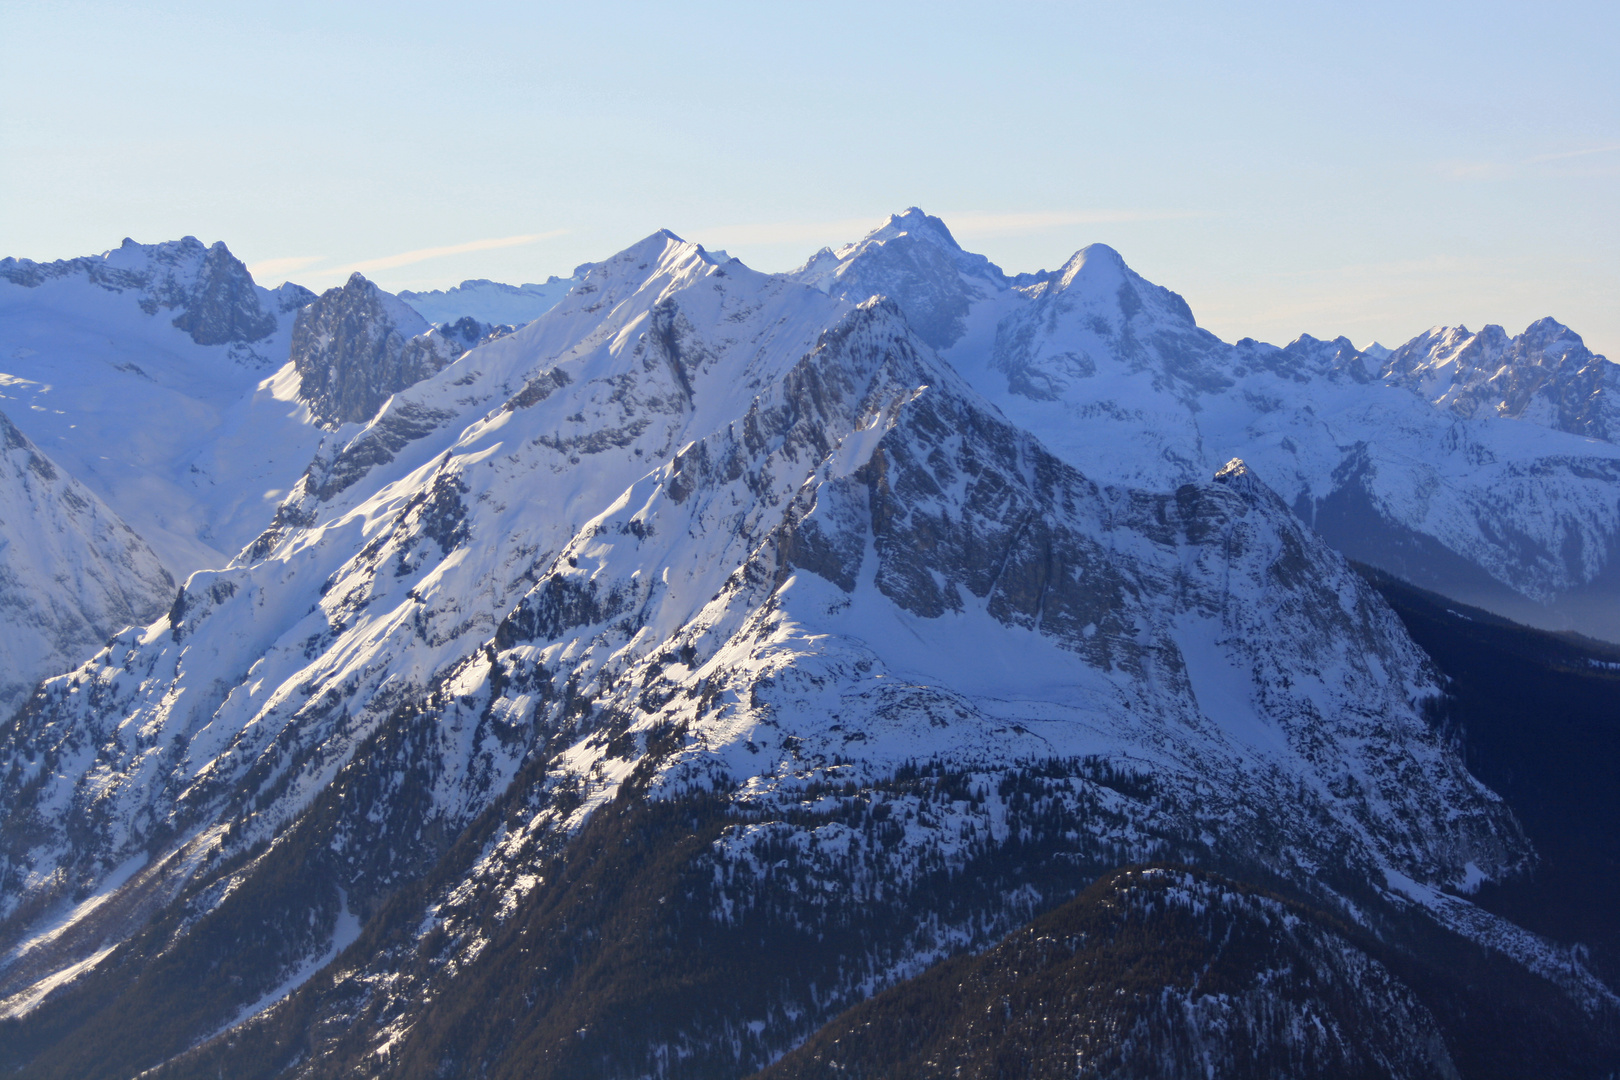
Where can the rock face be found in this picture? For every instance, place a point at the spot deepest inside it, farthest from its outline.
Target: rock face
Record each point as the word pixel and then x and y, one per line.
pixel 640 689
pixel 356 345
pixel 71 573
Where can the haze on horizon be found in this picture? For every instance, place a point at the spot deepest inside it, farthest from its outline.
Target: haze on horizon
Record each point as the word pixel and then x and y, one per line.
pixel 1369 170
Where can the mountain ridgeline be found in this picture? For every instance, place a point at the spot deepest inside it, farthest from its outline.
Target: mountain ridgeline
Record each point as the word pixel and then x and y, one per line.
pixel 893 667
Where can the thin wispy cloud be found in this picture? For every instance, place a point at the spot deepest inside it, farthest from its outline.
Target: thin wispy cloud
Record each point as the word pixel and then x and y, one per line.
pixel 280 268
pixel 409 258
pixel 1574 154
pixel 271 269
pixel 1496 170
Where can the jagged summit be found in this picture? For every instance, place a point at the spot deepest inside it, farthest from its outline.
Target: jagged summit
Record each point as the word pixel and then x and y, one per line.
pixel 1114 373
pixel 913 258
pixel 1545 375
pixel 356 345
pixel 914 222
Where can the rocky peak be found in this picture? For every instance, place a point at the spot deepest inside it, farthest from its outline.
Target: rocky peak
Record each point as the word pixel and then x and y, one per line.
pixel 291 297
pixel 222 304
pixel 913 258
pixel 1305 358
pixel 357 345
pixel 924 227
pixel 1239 477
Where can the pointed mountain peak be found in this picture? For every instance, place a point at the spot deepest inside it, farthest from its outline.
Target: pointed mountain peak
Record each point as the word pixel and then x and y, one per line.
pixel 916 223
pixel 646 252
pixel 1098 276
pixel 1095 265
pixel 1101 253
pixel 1545 331
pixel 1237 476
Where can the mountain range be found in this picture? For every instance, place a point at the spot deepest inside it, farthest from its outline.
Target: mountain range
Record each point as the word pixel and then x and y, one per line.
pixel 637 690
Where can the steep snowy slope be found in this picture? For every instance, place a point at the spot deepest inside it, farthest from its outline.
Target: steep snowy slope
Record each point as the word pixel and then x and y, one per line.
pixel 1473 464
pixel 71 573
pixel 719 606
pixel 491 301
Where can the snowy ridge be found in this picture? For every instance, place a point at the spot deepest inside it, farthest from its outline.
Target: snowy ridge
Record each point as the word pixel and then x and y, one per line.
pixel 491 301
pixel 1545 375
pixel 149 374
pixel 322 640
pixel 913 259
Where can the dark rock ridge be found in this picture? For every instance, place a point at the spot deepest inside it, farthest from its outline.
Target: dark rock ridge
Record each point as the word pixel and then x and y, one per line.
pixel 356 346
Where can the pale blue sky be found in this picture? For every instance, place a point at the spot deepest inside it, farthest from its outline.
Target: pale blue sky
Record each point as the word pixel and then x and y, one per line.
pixel 1369 169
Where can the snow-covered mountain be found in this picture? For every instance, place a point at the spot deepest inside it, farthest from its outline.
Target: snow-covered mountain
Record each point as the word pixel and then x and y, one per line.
pixel 639 689
pixel 71 573
pixel 1477 465
pixel 491 301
